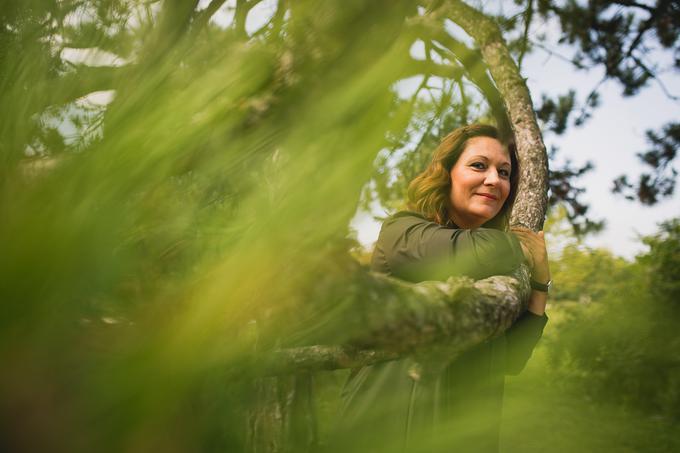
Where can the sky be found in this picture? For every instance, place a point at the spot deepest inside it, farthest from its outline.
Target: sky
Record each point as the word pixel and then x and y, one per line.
pixel 610 140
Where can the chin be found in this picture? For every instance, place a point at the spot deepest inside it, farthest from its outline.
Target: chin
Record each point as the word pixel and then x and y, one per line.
pixel 486 216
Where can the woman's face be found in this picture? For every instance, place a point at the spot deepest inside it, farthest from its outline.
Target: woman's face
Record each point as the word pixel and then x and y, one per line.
pixel 480 182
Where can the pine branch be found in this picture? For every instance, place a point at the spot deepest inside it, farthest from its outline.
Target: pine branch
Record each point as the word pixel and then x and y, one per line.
pixel 391 319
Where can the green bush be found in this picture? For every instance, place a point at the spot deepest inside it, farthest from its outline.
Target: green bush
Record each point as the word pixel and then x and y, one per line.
pixel 623 345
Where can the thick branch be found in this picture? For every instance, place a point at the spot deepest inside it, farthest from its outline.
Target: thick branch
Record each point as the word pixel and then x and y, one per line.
pixel 174 20
pixel 532 197
pixel 388 319
pixel 316 358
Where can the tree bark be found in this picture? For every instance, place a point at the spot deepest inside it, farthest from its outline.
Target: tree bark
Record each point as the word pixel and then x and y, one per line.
pixel 387 319
pixel 532 195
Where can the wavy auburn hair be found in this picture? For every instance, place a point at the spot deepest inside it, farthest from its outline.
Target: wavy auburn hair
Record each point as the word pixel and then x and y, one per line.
pixel 429 192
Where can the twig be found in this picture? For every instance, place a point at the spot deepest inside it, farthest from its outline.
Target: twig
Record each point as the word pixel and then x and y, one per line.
pixel 528 14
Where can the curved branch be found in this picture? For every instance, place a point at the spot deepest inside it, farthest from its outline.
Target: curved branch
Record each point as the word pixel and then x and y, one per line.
pixel 532 198
pixel 432 29
pixel 476 73
pixel 389 319
pixel 243 7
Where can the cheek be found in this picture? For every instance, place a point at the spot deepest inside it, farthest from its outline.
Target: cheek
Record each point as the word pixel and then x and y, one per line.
pixel 505 190
pixel 462 181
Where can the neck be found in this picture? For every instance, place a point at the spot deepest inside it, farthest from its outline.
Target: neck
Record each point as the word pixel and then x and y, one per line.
pixel 466 224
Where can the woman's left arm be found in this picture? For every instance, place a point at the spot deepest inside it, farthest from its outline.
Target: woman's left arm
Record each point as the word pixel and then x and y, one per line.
pixel 528 329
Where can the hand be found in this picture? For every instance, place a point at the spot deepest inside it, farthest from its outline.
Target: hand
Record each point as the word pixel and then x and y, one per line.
pixel 533 247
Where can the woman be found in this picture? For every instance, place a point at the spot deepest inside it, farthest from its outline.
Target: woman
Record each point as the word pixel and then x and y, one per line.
pixel 457 224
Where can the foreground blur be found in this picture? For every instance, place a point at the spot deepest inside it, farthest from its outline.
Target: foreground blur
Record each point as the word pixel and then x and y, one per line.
pixel 152 242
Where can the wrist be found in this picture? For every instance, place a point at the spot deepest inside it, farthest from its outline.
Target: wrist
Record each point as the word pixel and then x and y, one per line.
pixel 537 302
pixel 540 285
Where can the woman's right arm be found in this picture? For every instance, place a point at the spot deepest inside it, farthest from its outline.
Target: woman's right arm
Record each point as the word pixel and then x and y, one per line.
pixel 412 248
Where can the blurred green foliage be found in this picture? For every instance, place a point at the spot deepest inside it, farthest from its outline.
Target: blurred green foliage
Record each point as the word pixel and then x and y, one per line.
pixel 152 242
pixel 606 375
pixel 198 215
pixel 614 333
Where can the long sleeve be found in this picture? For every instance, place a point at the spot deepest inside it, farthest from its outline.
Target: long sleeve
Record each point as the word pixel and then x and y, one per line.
pixel 521 339
pixel 411 248
pixel 414 249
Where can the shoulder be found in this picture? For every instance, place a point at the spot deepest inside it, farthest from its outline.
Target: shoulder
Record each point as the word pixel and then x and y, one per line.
pixel 413 226
pixel 405 218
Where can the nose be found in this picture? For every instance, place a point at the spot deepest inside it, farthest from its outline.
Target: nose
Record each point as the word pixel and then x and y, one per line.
pixel 492 177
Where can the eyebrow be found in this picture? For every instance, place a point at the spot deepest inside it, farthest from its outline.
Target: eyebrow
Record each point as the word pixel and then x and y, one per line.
pixel 477 156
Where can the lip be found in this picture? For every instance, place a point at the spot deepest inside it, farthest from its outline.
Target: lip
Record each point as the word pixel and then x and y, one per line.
pixel 487 195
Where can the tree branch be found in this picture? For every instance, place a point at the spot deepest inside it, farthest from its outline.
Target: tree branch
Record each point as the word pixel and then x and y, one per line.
pixel 657 79
pixel 525 36
pixel 82 81
pixel 532 196
pixel 428 68
pixel 202 17
pixel 642 30
pixel 243 7
pixel 389 319
pixel 633 4
pixel 432 29
pixel 317 358
pixel 476 73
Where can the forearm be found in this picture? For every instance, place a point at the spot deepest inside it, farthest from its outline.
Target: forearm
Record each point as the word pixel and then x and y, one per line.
pixel 537 302
pixel 415 249
pixel 536 254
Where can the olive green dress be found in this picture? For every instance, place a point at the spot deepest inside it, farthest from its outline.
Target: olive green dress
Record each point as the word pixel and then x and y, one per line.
pixel 399 406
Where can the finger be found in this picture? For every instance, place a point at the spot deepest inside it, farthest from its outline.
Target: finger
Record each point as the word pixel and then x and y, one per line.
pixel 533 236
pixel 529 238
pixel 521 228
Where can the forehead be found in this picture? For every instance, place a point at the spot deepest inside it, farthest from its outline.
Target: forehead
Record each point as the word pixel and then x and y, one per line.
pixel 487 147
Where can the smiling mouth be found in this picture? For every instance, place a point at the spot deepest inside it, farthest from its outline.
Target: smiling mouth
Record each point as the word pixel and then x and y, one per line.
pixel 488 195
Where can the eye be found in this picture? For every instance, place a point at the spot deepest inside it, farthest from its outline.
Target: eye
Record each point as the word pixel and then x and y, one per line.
pixel 504 172
pixel 478 165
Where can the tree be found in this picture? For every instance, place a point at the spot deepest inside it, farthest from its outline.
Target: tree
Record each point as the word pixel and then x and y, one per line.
pixel 201 215
pixel 618 35
pixel 615 36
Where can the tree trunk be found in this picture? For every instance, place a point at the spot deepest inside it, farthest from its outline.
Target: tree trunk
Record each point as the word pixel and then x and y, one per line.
pixel 532 195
